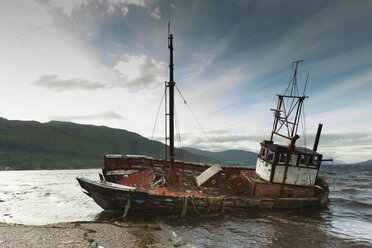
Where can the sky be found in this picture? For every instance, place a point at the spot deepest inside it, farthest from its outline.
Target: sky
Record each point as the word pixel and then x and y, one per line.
pixel 104 62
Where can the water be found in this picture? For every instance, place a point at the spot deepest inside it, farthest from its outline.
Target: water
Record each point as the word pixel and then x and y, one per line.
pixel 41 197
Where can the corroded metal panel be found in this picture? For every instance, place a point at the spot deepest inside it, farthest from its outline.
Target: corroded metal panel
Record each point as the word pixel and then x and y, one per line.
pixel 263 169
pixel 142 180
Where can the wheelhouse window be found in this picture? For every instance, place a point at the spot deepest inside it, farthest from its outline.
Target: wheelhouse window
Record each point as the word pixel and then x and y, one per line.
pixel 305 159
pixel 316 160
pixel 263 152
pixel 270 156
pixel 293 160
pixel 282 158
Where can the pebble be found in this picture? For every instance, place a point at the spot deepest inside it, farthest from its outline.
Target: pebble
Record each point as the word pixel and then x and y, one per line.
pixel 157 228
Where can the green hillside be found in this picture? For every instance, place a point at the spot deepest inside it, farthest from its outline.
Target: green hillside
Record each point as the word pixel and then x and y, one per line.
pixel 232 157
pixel 64 145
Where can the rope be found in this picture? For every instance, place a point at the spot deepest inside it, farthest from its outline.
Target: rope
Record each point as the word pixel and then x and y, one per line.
pixel 185 102
pixel 184 209
pixel 156 120
pixel 126 208
pixel 192 201
pixel 209 200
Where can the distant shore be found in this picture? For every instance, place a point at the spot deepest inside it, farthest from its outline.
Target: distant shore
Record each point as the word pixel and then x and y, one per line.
pixel 87 234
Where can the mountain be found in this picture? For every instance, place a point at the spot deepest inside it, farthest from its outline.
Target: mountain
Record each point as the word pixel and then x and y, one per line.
pixel 231 157
pixel 335 161
pixel 368 162
pixel 65 145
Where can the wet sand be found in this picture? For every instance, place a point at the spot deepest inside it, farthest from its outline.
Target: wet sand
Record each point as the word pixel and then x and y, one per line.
pixel 83 234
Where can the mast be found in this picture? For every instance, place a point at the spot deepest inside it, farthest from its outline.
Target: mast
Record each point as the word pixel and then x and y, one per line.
pixel 173 179
pixel 288 111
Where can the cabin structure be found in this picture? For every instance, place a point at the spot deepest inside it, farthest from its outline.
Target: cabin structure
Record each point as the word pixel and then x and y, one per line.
pixel 288 164
pixel 276 164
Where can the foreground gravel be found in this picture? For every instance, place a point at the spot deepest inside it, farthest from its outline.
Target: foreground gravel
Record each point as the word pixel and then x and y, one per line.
pixel 93 235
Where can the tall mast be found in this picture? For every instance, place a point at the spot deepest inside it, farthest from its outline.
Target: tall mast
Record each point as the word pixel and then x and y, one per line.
pixel 288 111
pixel 173 179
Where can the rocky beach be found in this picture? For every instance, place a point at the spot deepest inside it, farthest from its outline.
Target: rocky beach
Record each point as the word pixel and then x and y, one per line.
pixel 85 234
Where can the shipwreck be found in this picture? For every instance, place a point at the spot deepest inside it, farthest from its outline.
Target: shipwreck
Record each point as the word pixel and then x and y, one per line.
pixel 285 177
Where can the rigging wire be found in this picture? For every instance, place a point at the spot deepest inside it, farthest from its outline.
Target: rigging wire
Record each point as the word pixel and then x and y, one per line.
pixel 290 81
pixel 304 124
pixel 201 127
pixel 156 120
pixel 180 151
pixel 307 79
pixel 165 122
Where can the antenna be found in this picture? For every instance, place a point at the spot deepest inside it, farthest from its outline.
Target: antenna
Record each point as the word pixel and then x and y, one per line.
pixel 168 31
pixel 293 83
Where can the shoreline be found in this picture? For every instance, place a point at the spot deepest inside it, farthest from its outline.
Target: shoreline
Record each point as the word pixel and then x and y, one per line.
pixel 88 234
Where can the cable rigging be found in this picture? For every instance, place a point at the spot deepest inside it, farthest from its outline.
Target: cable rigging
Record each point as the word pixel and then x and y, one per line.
pixel 200 126
pixel 156 120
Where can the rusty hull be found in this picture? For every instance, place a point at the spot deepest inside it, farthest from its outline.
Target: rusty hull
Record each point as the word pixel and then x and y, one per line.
pixel 240 190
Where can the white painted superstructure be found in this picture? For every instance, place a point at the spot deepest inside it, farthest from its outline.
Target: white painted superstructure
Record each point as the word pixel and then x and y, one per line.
pixel 296 175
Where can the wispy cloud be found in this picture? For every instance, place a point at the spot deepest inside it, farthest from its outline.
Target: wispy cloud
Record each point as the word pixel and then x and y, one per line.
pixel 53 82
pixel 200 61
pixel 155 13
pixel 108 115
pixel 111 6
pixel 356 118
pixel 345 86
pixel 134 72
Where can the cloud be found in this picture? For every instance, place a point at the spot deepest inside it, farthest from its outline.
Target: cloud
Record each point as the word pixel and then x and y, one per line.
pixel 347 85
pixel 347 139
pixel 133 72
pixel 108 115
pixel 356 116
pixel 219 140
pixel 109 5
pixel 125 10
pixel 228 68
pixel 139 71
pixel 349 147
pixel 53 82
pixel 155 13
pixel 202 59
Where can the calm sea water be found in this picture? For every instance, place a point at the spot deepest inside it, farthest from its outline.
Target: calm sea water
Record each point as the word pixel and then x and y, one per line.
pixel 41 197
